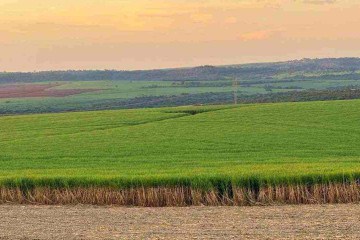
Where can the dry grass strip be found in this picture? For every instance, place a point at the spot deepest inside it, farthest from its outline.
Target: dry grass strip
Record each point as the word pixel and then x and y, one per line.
pixel 186 196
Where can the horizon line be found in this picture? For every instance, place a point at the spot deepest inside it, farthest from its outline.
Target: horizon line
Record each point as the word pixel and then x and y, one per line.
pixel 179 67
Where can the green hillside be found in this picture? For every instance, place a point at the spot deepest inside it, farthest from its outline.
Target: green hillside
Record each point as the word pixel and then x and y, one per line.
pixel 291 81
pixel 278 143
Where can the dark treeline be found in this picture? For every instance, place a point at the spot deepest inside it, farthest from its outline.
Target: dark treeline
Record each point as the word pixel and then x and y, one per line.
pixel 345 76
pixel 226 98
pixel 245 72
pixel 193 99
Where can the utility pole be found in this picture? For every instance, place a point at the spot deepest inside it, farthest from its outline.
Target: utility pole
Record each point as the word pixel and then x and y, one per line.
pixel 235 89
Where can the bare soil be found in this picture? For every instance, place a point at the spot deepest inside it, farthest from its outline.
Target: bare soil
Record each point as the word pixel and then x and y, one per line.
pixel 92 222
pixel 38 90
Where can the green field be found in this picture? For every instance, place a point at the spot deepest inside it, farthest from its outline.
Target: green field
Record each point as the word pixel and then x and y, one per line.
pixel 89 90
pixel 283 143
pixel 120 94
pixel 110 92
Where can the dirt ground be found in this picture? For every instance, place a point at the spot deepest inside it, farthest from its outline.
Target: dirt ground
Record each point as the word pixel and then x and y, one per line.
pixel 38 90
pixel 91 222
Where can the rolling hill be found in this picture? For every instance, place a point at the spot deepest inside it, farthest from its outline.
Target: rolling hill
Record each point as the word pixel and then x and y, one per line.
pixel 217 147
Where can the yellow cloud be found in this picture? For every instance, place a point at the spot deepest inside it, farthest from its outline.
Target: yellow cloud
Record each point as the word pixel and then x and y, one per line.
pixel 201 18
pixel 231 20
pixel 259 35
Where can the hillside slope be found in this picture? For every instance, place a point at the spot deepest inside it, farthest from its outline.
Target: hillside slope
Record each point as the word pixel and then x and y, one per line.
pixel 263 140
pixel 255 71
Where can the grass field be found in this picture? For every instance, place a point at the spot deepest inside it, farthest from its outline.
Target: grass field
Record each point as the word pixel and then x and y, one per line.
pixel 214 147
pixel 117 94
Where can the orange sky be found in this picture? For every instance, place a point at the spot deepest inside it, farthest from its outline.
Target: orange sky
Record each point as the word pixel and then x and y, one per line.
pixel 144 34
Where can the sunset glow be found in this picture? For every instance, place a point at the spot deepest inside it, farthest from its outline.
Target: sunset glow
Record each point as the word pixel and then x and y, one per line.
pixel 143 34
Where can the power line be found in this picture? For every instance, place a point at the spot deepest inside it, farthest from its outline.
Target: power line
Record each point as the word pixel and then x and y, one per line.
pixel 235 90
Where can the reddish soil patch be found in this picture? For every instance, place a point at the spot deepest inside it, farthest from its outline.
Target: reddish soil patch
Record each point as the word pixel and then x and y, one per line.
pixel 38 90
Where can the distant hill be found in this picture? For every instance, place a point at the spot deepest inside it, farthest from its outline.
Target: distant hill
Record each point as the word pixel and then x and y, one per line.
pixel 349 67
pixel 291 81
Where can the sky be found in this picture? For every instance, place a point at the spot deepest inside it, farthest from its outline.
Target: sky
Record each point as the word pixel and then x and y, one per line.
pixel 37 35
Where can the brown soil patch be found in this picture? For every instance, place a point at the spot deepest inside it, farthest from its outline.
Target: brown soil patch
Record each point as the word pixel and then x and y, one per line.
pixel 38 90
pixel 90 222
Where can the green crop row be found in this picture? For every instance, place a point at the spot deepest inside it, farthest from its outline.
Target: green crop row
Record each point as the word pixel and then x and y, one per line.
pixel 202 147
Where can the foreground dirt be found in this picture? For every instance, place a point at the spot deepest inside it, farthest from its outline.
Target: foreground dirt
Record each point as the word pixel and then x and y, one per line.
pixel 90 222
